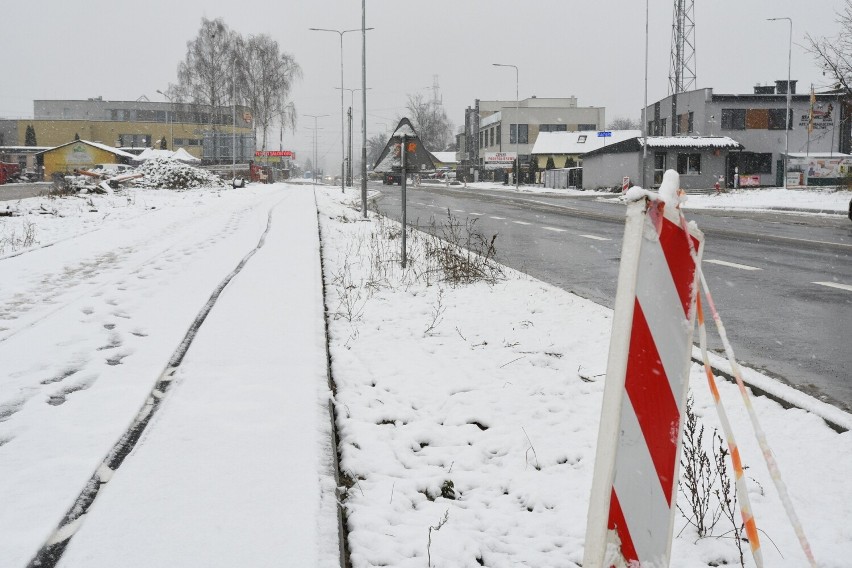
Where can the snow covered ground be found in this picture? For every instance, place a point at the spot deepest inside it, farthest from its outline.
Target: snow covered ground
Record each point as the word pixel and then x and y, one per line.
pixel 476 403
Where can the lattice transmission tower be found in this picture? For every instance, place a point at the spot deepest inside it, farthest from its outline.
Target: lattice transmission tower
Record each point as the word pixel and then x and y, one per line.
pixel 682 67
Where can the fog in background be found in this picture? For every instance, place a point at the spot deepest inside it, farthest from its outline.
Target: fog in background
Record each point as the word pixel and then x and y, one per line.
pixel 591 49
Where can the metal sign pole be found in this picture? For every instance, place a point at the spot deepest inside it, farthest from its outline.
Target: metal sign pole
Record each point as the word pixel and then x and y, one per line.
pixel 403 152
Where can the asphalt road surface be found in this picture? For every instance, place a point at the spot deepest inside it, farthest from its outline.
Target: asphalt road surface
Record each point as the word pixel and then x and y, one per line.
pixel 782 282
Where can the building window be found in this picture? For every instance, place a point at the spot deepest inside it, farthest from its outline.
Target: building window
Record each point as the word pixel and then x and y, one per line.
pixel 690 122
pixel 662 127
pixel 689 164
pixel 755 163
pixel 581 139
pixel 553 128
pixel 523 138
pixel 480 139
pixel 776 118
pixel 499 139
pixel 733 119
pixel 491 136
pixel 587 127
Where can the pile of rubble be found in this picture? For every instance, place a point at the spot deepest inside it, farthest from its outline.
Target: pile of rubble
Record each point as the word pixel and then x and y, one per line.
pixel 166 173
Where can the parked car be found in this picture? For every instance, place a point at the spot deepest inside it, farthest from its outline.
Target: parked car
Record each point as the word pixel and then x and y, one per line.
pixel 392 179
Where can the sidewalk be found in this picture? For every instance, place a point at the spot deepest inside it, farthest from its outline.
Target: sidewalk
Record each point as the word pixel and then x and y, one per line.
pixel 235 469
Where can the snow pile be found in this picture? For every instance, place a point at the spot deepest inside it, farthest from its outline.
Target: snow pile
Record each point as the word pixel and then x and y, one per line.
pixel 166 173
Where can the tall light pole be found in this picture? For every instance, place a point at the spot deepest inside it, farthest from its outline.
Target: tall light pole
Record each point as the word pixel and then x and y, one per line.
pixel 789 95
pixel 352 106
pixel 517 124
pixel 342 130
pixel 364 104
pixel 234 126
pixel 171 119
pixel 315 117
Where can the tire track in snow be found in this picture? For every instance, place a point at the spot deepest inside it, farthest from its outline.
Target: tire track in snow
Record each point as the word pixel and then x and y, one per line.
pixel 53 548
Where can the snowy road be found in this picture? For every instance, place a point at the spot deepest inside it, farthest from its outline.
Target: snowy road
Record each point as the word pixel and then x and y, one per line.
pixel 88 324
pixel 764 272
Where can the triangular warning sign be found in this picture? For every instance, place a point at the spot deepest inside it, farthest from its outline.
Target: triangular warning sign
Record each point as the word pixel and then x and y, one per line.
pixel 417 158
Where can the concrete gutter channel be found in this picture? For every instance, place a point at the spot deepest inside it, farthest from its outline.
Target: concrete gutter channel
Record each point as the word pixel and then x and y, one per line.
pixel 342 527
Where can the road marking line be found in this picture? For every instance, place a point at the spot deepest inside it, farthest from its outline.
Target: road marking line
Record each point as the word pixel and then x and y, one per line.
pixel 846 287
pixel 732 264
pixel 499 218
pixel 521 222
pixel 458 210
pixel 595 237
pixel 554 229
pixel 472 213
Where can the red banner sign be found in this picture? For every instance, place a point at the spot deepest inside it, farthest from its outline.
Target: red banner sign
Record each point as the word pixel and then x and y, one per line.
pixel 274 154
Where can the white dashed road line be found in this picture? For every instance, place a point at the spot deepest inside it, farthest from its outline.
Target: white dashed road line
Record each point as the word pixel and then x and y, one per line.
pixel 595 238
pixel 521 223
pixel 458 210
pixel 846 287
pixel 477 214
pixel 499 218
pixel 732 264
pixel 554 229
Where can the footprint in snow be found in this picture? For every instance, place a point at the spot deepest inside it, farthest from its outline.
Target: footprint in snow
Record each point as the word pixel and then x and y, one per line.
pixel 60 396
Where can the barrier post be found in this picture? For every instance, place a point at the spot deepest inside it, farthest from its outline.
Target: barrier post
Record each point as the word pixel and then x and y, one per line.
pixel 633 499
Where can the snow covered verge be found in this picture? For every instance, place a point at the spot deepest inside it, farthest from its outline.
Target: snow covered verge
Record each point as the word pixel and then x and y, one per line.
pixel 468 414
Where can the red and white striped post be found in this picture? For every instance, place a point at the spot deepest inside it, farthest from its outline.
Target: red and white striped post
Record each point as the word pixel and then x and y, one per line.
pixel 633 500
pixel 625 184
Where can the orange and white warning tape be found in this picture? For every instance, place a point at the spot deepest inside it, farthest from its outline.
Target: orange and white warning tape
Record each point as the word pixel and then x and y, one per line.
pixel 768 456
pixel 742 490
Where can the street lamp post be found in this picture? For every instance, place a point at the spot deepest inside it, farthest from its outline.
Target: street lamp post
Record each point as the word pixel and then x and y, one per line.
pixel 351 106
pixel 364 105
pixel 342 130
pixel 789 95
pixel 171 119
pixel 315 117
pixel 517 125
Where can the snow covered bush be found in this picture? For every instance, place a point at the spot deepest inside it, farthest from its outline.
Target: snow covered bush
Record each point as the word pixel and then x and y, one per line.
pixel 166 173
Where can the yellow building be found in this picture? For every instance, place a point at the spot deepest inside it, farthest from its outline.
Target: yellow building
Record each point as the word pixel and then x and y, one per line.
pixel 80 155
pixel 204 132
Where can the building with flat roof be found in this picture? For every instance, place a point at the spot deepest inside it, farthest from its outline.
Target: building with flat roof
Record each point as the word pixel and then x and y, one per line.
pixel 205 132
pixel 513 126
pixel 756 120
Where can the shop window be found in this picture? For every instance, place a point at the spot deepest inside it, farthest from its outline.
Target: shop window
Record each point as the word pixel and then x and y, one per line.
pixel 776 118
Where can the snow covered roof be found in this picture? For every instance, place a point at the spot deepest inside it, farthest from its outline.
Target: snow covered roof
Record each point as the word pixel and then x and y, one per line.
pixel 819 155
pixel 104 147
pixel 184 156
pixel 578 142
pixel 444 157
pixel 23 149
pixel 491 119
pixel 691 142
pixel 149 153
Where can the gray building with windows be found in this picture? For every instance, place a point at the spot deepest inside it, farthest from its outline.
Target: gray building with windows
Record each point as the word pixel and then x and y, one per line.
pixel 504 126
pixel 756 120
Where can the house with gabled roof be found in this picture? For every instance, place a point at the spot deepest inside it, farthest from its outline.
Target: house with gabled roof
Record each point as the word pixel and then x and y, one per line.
pixel 80 155
pixel 566 149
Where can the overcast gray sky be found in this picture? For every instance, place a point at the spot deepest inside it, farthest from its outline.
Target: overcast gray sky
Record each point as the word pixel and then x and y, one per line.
pixel 593 49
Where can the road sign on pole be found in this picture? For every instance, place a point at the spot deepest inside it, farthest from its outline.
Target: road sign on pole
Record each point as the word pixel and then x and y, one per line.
pixel 631 510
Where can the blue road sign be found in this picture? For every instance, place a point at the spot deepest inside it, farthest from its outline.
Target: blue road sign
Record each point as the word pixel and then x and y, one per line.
pixel 604 134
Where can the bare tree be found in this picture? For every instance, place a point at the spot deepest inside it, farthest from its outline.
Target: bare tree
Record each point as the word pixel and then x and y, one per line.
pixel 265 77
pixel 834 54
pixel 204 77
pixel 375 144
pixel 623 123
pixel 430 120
